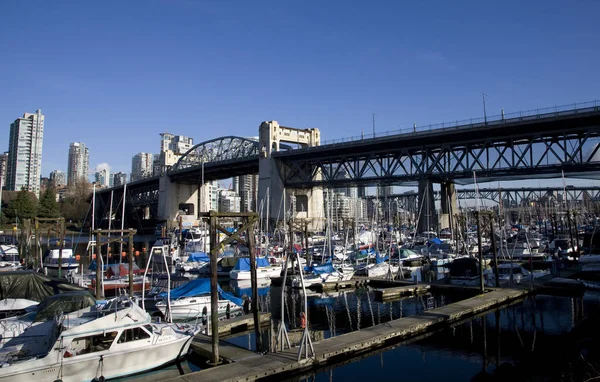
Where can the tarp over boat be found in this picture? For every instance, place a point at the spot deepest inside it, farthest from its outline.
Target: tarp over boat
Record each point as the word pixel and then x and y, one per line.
pixel 66 302
pixel 198 257
pixel 243 263
pixel 321 269
pixel 32 285
pixel 199 287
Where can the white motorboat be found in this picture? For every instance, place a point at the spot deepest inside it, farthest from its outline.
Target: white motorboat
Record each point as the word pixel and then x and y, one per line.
pixel 466 271
pixel 112 340
pixel 321 274
pixel 55 253
pixel 513 273
pixel 197 262
pixel 16 306
pixel 192 300
pixel 264 269
pixel 9 256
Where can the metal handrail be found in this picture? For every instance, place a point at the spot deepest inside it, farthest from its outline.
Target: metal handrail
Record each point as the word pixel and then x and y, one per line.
pixel 555 111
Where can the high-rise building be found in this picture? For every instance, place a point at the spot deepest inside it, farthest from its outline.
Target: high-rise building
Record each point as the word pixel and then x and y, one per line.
pixel 79 162
pixel 172 147
pixel 103 178
pixel 3 163
pixel 119 178
pixel 176 143
pixel 229 201
pixel 246 186
pixel 24 163
pixel 58 178
pixel 141 166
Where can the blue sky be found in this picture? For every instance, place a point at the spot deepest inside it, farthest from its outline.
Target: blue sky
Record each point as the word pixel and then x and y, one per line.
pixel 115 74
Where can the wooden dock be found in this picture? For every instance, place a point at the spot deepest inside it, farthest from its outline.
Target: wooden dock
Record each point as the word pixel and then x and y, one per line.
pixel 202 344
pixel 396 292
pixel 241 324
pixel 336 349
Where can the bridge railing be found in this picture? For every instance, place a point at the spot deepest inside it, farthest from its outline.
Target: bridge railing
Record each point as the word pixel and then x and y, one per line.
pixel 494 120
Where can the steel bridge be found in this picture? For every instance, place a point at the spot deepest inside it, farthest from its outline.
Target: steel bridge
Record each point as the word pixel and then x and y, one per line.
pixel 512 196
pixel 538 145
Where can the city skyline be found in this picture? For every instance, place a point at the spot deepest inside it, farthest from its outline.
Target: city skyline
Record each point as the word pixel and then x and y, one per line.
pixel 335 68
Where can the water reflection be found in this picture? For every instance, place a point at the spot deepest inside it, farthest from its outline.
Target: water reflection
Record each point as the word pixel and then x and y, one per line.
pixel 542 338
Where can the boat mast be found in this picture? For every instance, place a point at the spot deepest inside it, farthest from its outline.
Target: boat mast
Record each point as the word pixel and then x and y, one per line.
pixel 123 221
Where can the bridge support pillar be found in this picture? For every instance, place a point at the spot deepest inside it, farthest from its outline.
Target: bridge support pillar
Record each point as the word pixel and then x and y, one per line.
pixel 308 202
pixel 427 219
pixel 175 197
pixel 448 206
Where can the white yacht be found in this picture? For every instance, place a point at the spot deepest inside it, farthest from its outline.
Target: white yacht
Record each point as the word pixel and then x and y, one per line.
pixel 53 254
pixel 321 274
pixel 109 341
pixel 264 269
pixel 192 300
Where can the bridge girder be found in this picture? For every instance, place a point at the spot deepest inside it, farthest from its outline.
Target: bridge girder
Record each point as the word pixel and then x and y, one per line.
pixel 217 150
pixel 514 196
pixel 542 145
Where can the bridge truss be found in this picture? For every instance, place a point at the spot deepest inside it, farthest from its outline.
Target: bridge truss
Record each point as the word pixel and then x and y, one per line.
pixel 511 196
pixel 534 146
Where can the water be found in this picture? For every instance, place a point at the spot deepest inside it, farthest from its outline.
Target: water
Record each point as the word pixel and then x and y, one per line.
pixel 543 338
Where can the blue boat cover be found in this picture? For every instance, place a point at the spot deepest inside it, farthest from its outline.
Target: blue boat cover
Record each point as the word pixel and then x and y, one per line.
pixel 199 287
pixel 243 263
pixel 321 269
pixel 198 257
pixel 436 240
pixel 379 259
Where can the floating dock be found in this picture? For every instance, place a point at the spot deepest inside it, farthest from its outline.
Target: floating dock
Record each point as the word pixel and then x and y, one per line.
pixel 240 324
pixel 336 349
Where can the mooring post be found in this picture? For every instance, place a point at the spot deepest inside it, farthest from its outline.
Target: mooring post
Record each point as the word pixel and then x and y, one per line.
pixel 481 283
pixel 253 284
pixel 61 237
pixel 130 250
pixel 495 252
pixel 214 293
pixel 99 267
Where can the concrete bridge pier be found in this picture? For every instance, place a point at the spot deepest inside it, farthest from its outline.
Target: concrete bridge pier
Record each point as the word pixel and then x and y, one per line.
pixel 307 203
pixel 448 205
pixel 174 197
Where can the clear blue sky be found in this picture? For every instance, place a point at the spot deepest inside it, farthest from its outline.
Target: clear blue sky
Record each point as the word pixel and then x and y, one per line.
pixel 115 74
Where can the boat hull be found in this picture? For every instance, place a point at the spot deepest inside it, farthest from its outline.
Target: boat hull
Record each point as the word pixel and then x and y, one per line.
pixel 110 364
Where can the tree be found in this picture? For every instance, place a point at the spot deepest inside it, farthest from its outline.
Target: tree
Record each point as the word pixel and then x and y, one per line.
pixel 24 206
pixel 48 207
pixel 76 203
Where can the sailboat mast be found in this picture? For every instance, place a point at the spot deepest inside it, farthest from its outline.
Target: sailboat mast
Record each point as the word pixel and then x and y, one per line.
pixel 123 221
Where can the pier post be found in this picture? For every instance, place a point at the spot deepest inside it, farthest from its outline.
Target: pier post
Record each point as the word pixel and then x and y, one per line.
pixel 130 250
pixel 99 267
pixel 253 284
pixel 61 235
pixel 214 293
